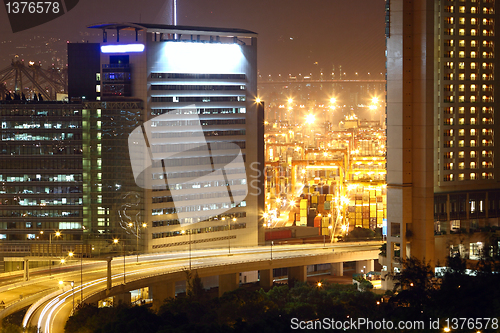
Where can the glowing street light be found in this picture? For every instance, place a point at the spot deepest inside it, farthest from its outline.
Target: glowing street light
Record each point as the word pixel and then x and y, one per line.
pixel 144 225
pixel 258 100
pixel 310 118
pixel 290 100
pixel 333 100
pixel 115 241
pixel 57 234
pixel 375 100
pixel 184 232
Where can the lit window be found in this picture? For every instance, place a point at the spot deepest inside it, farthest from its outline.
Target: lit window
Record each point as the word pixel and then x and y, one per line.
pixel 473 43
pixel 461 54
pixel 473 99
pixel 461 76
pixel 461 99
pixel 473 132
pixel 472 76
pixel 473 54
pixel 461 143
pixel 461 121
pixel 473 20
pixel 461 20
pixel 461 32
pixel 461 43
pixel 461 65
pixel 461 165
pixel 473 10
pixel 461 109
pixel 460 176
pixel 461 132
pixel 472 143
pixel 461 154
pixel 472 154
pixel 461 9
pixel 472 65
pixel 473 109
pixel 472 176
pixel 473 121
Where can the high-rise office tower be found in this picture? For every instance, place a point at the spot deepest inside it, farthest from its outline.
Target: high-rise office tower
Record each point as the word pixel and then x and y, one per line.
pixel 70 169
pixel 194 114
pixel 441 72
pixel 41 180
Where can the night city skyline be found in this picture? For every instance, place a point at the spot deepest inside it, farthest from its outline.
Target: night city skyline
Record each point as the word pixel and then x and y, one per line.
pixel 293 35
pixel 250 166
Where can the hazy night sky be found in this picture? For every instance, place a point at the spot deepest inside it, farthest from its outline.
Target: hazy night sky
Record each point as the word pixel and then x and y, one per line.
pixel 293 34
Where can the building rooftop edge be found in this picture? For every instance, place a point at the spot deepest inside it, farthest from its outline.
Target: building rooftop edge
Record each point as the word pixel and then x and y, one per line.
pixel 178 29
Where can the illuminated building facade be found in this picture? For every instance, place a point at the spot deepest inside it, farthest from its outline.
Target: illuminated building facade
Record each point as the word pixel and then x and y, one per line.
pixel 205 73
pixel 441 154
pixel 41 178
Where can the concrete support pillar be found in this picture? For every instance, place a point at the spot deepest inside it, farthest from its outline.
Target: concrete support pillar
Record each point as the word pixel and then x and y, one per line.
pixel 228 282
pixel 109 273
pixel 266 278
pixel 26 270
pixel 160 292
pixel 125 298
pixel 297 274
pixel 337 269
pixel 364 266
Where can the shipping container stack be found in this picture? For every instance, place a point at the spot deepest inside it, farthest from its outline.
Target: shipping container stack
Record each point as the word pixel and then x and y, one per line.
pixel 370 207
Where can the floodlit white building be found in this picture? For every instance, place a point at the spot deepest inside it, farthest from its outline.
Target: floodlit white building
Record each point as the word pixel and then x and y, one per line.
pixel 197 151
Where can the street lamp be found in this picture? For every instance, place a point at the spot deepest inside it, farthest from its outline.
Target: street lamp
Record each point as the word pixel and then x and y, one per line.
pixel 58 234
pixel 183 232
pixel 144 225
pixel 71 254
pixel 72 289
pixel 115 241
pixel 228 232
pixel 310 118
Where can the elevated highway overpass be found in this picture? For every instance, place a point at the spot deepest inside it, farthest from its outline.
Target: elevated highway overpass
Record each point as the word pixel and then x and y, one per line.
pixel 159 272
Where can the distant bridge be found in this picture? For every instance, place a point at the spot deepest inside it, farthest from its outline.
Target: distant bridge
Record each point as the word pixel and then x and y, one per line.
pixel 289 82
